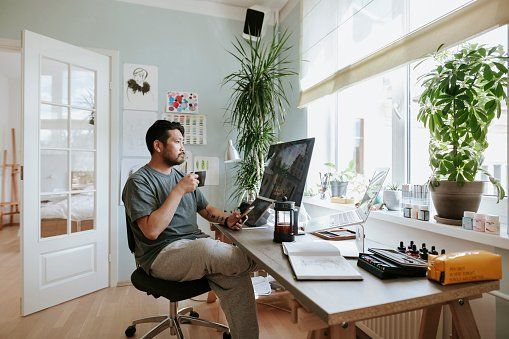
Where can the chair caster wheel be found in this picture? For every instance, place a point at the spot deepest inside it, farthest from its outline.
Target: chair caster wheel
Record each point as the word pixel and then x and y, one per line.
pixel 227 335
pixel 194 314
pixel 129 332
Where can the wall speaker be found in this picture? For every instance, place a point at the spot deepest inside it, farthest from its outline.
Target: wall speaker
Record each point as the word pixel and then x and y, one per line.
pixel 253 24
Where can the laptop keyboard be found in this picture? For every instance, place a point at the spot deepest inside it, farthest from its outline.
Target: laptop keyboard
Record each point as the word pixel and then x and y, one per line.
pixel 348 217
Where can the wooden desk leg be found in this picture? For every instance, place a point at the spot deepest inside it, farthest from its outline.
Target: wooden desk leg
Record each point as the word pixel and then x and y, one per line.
pixel 318 334
pixel 334 332
pixel 429 322
pixel 341 332
pixel 463 320
pixel 454 334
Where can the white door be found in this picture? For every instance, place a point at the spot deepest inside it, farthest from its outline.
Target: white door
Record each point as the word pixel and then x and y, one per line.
pixel 66 171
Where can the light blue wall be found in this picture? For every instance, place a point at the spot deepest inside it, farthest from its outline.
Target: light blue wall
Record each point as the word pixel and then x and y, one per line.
pixel 189 50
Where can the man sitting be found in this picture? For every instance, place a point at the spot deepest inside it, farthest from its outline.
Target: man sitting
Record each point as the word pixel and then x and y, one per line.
pixel 161 205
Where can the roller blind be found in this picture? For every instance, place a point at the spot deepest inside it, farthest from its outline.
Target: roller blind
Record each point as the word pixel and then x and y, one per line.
pixel 323 65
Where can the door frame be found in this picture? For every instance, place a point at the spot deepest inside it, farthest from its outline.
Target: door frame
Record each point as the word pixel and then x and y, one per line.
pixel 113 55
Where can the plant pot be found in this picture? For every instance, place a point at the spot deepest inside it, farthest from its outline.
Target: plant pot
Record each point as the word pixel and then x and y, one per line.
pixel 451 200
pixel 338 188
pixel 392 200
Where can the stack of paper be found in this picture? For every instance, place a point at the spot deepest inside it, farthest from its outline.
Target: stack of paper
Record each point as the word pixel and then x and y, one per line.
pixel 261 285
pixel 319 260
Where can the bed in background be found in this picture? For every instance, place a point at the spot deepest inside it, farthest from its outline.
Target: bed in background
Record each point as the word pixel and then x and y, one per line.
pixel 54 214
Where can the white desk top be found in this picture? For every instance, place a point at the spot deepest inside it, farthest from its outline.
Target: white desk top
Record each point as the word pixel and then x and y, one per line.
pixel 344 301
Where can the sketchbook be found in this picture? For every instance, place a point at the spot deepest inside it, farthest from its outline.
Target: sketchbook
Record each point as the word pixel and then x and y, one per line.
pixel 319 260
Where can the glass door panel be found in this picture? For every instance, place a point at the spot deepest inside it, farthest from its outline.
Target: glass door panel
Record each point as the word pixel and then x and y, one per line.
pixel 82 212
pixel 53 133
pixel 54 215
pixel 82 87
pixel 82 170
pixel 54 81
pixel 82 129
pixel 54 171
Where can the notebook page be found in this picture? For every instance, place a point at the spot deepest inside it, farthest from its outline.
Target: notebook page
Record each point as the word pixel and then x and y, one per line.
pixel 310 248
pixel 319 267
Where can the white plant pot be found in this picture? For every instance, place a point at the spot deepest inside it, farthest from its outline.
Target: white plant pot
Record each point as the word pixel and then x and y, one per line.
pixel 392 200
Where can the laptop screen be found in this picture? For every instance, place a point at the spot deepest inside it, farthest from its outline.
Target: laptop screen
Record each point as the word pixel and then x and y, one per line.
pixel 374 187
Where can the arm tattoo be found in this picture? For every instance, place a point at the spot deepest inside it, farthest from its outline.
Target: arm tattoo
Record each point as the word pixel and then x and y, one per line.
pixel 215 218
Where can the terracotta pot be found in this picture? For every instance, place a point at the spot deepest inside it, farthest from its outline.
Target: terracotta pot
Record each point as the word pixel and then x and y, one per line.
pixel 451 200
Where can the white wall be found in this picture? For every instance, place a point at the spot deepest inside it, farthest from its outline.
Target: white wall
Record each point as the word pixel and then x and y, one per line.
pixel 10 109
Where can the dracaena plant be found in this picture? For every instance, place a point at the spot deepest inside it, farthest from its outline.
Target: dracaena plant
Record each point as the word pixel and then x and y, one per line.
pixel 462 95
pixel 257 107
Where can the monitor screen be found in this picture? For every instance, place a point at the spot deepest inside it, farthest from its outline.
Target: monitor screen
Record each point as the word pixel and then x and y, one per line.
pixel 286 170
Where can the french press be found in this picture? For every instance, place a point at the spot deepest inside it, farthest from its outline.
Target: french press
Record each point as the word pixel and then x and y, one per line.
pixel 286 222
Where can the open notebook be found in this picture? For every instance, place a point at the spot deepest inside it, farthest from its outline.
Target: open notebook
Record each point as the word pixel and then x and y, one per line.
pixel 319 260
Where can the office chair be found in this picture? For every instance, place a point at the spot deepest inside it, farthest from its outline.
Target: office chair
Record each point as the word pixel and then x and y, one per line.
pixel 174 292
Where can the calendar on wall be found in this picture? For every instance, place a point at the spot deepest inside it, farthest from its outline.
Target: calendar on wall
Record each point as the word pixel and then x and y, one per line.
pixel 195 127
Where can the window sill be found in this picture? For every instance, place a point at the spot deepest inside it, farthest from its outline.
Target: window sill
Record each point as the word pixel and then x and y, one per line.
pixel 499 241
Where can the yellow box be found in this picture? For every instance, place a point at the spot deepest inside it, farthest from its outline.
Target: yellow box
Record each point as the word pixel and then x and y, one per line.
pixel 455 268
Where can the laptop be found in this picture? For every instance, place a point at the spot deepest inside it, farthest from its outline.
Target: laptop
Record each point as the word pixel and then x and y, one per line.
pixel 361 213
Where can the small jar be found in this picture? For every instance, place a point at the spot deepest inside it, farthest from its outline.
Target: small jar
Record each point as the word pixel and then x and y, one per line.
pixel 478 224
pixel 423 213
pixel 467 222
pixel 492 224
pixel 414 213
pixel 407 211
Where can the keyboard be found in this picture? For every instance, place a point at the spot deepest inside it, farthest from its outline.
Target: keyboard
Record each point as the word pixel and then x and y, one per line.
pixel 349 217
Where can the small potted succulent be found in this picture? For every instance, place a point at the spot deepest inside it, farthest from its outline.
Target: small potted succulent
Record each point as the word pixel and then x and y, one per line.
pixel 339 178
pixel 392 197
pixel 461 97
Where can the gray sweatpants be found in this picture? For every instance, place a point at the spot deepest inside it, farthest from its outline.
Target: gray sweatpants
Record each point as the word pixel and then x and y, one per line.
pixel 226 268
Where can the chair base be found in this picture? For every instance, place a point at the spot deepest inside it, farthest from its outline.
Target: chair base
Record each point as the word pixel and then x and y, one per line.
pixel 173 322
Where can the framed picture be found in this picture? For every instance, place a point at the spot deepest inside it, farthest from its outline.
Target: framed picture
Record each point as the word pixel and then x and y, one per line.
pixel 181 102
pixel 140 87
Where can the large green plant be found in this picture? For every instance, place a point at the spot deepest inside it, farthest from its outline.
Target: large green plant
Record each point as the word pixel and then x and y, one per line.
pixel 461 97
pixel 256 109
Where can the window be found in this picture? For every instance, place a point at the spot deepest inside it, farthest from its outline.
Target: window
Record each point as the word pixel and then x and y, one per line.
pixel 321 126
pixel 376 117
pixel 366 114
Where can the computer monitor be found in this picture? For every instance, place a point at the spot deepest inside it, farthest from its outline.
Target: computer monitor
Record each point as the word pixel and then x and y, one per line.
pixel 286 170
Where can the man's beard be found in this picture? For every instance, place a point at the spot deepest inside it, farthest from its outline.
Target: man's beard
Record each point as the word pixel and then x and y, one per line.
pixel 174 162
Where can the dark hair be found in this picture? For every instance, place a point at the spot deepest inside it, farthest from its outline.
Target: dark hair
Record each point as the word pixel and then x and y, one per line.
pixel 159 131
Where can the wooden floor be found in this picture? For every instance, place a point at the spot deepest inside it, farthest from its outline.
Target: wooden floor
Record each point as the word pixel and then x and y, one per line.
pixel 106 313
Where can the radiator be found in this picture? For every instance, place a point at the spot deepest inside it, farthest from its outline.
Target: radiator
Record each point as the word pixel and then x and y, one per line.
pixel 398 326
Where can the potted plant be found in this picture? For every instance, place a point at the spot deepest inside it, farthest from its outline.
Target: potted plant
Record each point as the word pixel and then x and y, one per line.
pixel 339 178
pixel 461 97
pixel 392 197
pixel 256 109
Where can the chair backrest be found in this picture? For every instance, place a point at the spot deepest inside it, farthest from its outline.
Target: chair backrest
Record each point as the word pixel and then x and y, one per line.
pixel 130 236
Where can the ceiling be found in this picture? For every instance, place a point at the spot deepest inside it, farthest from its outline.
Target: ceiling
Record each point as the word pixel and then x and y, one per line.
pixel 271 4
pixel 232 9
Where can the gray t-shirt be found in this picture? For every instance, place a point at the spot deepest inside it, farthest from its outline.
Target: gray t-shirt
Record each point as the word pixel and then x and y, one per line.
pixel 144 192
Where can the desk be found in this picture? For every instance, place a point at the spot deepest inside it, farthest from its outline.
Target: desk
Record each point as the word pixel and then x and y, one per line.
pixel 333 307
